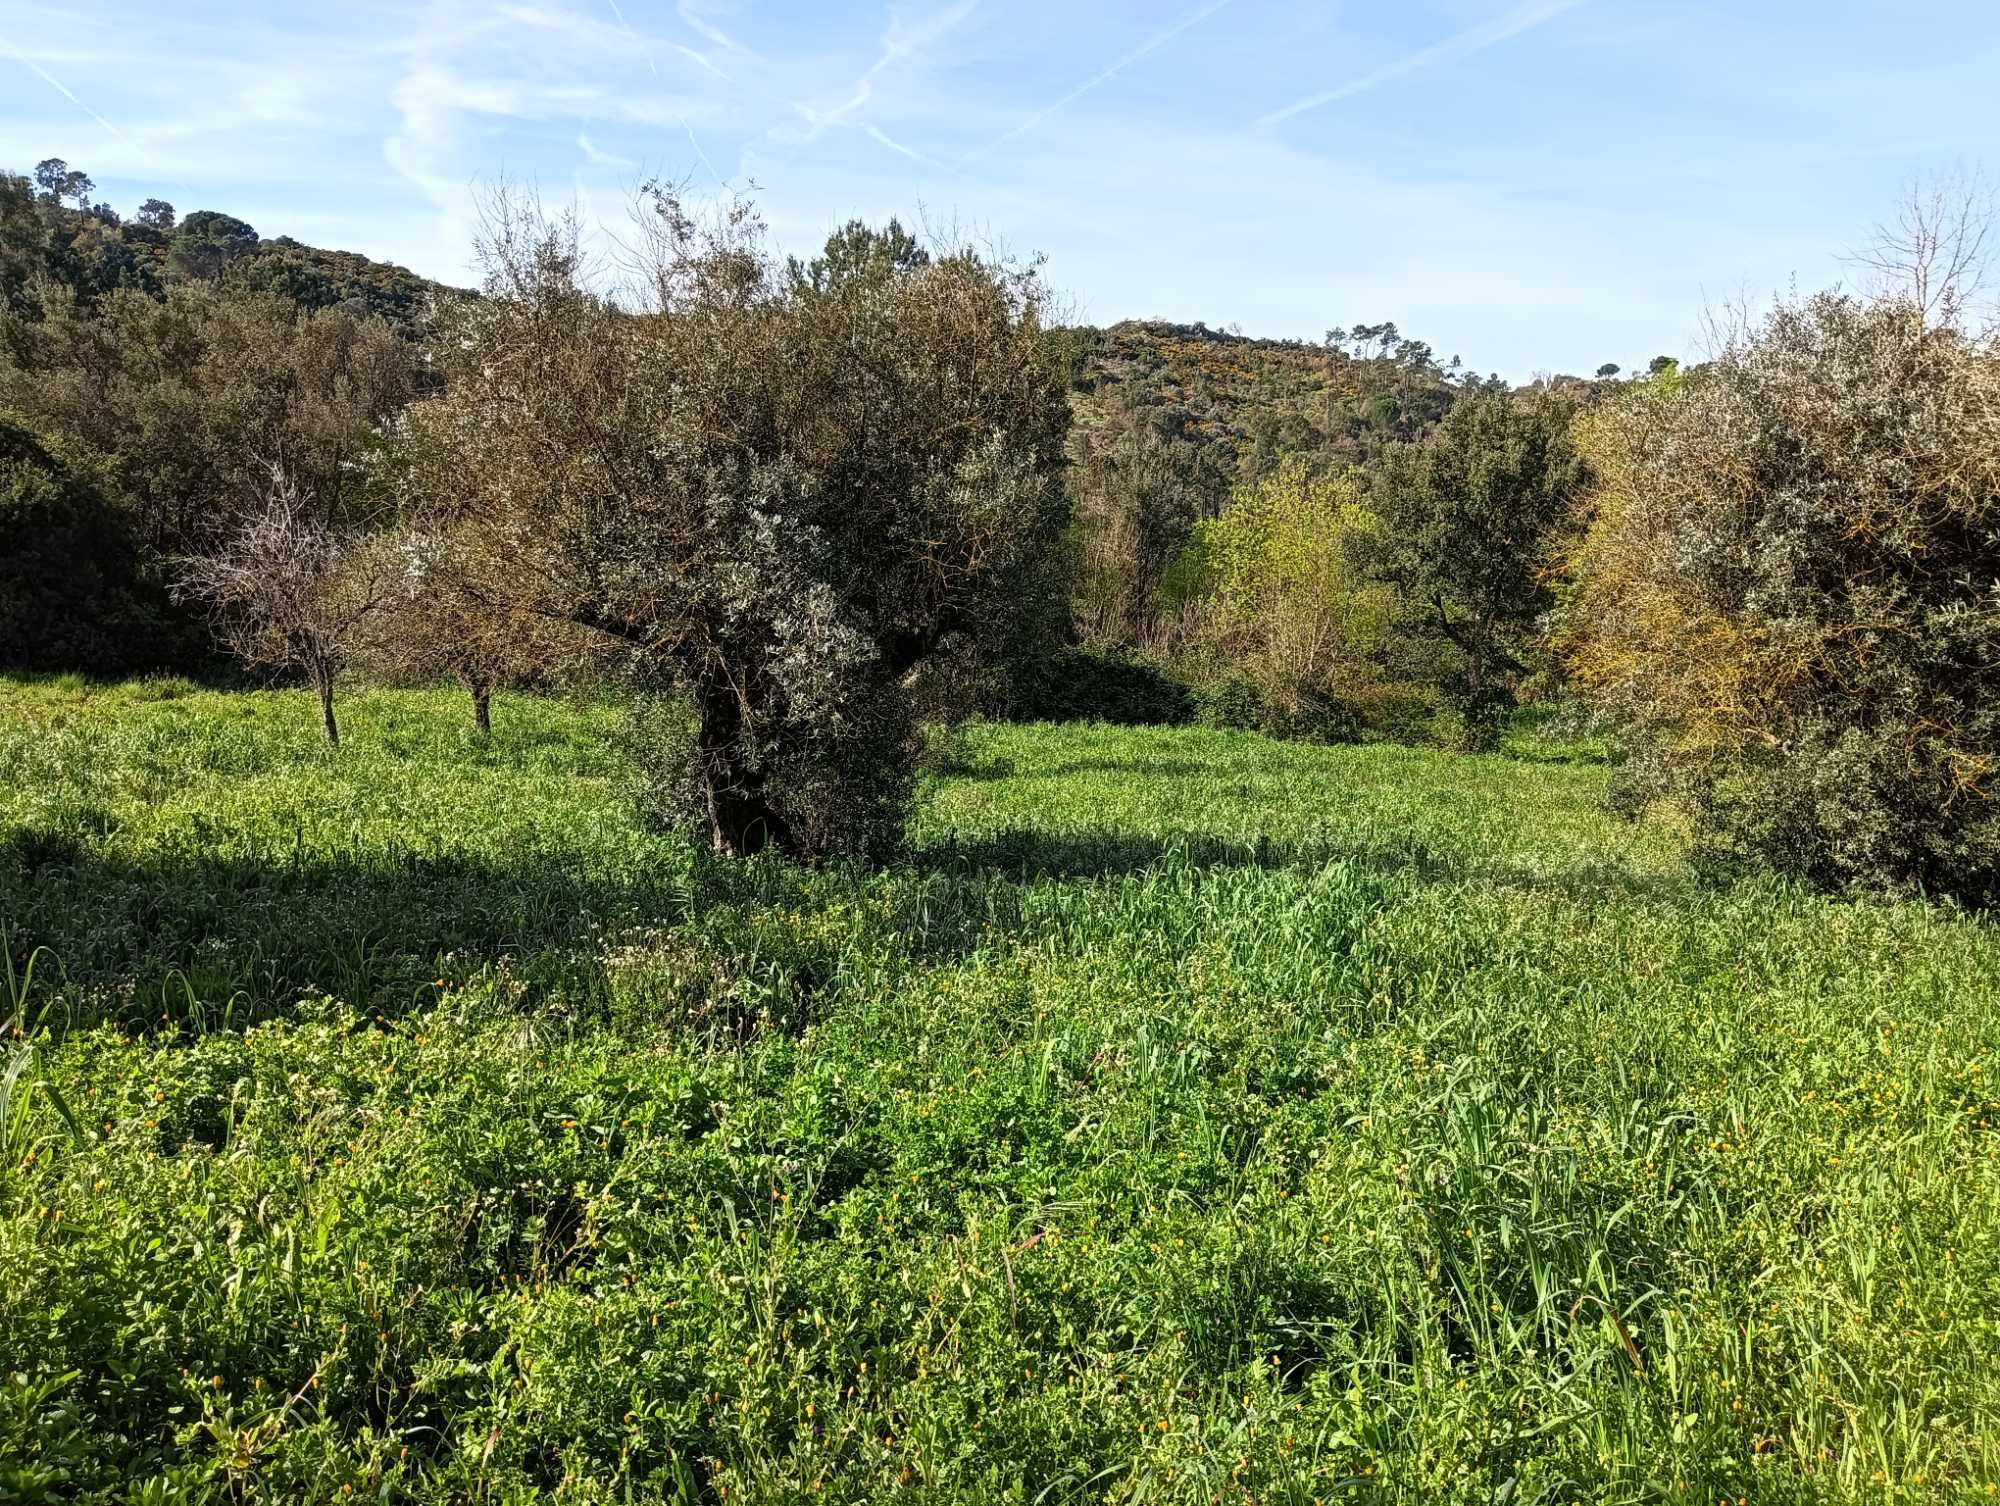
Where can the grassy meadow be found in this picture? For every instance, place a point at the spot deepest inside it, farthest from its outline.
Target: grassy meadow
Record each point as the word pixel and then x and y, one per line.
pixel 1189 1118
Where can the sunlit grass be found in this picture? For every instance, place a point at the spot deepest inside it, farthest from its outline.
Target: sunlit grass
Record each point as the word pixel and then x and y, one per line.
pixel 1190 1118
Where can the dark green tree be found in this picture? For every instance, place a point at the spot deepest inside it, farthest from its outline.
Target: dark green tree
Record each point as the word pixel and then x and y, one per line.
pixel 1466 515
pixel 207 242
pixel 72 592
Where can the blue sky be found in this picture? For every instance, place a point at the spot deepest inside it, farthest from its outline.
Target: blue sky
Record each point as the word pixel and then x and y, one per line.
pixel 1532 184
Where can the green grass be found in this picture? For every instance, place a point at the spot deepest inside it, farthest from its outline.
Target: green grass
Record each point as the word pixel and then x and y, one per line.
pixel 1190 1118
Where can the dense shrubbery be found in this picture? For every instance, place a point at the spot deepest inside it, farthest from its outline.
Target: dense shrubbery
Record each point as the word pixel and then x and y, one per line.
pixel 1103 685
pixel 1277 608
pixel 73 594
pixel 1787 595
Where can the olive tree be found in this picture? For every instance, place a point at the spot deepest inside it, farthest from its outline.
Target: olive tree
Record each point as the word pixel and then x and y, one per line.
pixel 779 491
pixel 1785 596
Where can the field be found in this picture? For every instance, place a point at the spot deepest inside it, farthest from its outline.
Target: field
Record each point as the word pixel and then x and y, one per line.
pixel 1191 1117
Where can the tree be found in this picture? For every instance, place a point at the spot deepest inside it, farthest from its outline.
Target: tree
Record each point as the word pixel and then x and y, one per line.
pixel 290 591
pixel 438 620
pixel 1608 370
pixel 156 214
pixel 62 183
pixel 780 495
pixel 1466 513
pixel 1785 597
pixel 1933 256
pixel 1282 597
pixel 209 241
pixel 171 402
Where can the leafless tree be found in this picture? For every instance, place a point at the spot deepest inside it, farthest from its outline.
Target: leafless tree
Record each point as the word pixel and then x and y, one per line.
pixel 1935 251
pixel 289 591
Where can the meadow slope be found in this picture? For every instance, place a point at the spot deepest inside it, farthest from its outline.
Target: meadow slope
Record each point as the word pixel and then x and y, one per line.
pixel 1190 1117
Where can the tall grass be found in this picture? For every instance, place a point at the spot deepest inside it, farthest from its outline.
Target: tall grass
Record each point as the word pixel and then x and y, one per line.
pixel 1190 1118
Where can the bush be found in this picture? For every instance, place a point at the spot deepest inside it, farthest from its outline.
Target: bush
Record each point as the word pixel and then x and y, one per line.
pixel 1785 596
pixel 71 592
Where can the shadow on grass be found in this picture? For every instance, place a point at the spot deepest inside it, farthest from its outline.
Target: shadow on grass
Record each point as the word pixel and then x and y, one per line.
pixel 177 935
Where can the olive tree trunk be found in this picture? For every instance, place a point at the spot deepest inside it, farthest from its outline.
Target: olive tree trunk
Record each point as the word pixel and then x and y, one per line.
pixel 741 818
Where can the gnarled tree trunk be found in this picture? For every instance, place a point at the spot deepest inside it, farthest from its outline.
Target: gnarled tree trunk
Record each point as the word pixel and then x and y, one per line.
pixel 741 817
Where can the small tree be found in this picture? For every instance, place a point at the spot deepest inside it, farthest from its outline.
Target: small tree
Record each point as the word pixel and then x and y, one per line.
pixel 1466 514
pixel 1281 597
pixel 291 592
pixel 438 620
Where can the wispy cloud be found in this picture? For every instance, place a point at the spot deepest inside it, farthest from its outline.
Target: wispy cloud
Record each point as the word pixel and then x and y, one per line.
pixel 57 84
pixel 703 60
pixel 596 156
pixel 1102 76
pixel 1464 44
pixel 707 30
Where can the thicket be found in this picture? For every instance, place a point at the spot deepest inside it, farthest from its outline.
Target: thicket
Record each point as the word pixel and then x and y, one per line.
pixel 73 593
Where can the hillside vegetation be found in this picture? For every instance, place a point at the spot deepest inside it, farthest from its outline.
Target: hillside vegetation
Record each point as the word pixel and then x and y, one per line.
pixel 1186 1117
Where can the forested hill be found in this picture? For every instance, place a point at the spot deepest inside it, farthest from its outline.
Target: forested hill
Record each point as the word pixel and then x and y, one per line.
pixel 53 229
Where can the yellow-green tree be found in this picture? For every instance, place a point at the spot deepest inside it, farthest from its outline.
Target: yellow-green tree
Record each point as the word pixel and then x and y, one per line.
pixel 1277 594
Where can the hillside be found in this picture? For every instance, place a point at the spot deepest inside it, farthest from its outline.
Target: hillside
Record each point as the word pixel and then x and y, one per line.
pixel 51 227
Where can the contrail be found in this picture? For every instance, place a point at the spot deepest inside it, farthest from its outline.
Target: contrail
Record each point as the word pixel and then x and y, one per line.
pixel 647 52
pixel 1465 44
pixel 57 84
pixel 1090 83
pixel 896 146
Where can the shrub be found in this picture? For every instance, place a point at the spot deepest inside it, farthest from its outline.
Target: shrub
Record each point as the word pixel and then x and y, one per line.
pixel 1785 595
pixel 1103 685
pixel 1279 605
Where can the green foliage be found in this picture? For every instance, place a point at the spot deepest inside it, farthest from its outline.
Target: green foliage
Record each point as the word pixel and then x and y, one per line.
pixel 1278 598
pixel 1174 419
pixel 1467 515
pixel 176 407
pixel 51 233
pixel 1190 1116
pixel 72 592
pixel 1103 685
pixel 1785 596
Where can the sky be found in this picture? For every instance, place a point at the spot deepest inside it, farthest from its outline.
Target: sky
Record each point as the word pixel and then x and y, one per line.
pixel 1534 185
